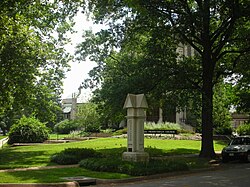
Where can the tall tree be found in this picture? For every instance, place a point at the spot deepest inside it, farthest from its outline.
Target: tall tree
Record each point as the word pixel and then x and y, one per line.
pixel 32 57
pixel 218 30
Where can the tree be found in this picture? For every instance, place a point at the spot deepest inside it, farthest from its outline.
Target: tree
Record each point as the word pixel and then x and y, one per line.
pixel 127 72
pixel 217 30
pixel 32 57
pixel 88 117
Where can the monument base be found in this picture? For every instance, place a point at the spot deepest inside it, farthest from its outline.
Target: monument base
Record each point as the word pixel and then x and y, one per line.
pixel 135 156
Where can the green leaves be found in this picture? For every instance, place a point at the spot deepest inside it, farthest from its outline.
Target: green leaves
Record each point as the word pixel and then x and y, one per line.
pixel 28 130
pixel 33 60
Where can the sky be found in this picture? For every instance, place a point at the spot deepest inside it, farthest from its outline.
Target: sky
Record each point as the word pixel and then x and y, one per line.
pixel 79 71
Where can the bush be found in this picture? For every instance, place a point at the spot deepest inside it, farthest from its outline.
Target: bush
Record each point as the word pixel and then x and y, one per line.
pixel 133 168
pixel 162 126
pixel 120 132
pixel 243 129
pixel 65 126
pixel 73 155
pixel 224 130
pixel 92 128
pixel 28 130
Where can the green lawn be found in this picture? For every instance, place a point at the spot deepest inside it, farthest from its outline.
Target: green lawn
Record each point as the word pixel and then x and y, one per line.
pixel 1 137
pixel 58 136
pixel 54 175
pixel 39 155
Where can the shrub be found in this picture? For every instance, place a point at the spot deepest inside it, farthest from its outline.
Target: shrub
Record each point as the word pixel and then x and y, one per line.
pixel 243 129
pixel 28 130
pixel 78 133
pixel 120 132
pixel 65 126
pixel 224 130
pixel 88 116
pixel 92 128
pixel 133 168
pixel 161 126
pixel 73 155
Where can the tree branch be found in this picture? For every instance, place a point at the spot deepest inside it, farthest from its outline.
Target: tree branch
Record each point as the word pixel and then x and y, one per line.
pixel 227 33
pixel 217 32
pixel 232 51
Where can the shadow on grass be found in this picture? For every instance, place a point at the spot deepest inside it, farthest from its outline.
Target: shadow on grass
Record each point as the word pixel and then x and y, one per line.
pixel 222 142
pixel 11 158
pixel 182 151
pixel 117 152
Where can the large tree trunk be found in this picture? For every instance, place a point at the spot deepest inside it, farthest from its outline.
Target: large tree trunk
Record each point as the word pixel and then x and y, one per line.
pixel 207 147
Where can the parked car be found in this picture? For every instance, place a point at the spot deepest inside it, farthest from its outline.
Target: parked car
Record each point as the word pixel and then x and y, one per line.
pixel 238 149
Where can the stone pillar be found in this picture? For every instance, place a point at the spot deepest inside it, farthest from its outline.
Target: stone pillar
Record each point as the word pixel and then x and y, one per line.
pixel 160 116
pixel 135 105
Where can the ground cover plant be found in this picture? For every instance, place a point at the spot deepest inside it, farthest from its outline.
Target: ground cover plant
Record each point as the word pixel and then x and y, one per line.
pixel 133 168
pixel 162 126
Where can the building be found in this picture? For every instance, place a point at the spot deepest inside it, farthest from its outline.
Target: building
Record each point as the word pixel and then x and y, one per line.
pixel 69 107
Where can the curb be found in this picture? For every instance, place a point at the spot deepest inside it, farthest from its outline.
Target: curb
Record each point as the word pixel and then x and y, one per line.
pixel 65 184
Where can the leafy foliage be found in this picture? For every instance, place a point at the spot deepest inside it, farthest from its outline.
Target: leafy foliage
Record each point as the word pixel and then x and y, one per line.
pixel 218 31
pixel 28 130
pixel 161 126
pixel 221 115
pixel 66 126
pixel 32 57
pixel 133 168
pixel 88 117
pixel 243 129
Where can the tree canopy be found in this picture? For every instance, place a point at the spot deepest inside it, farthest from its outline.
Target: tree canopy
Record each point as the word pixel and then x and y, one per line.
pixel 32 56
pixel 217 30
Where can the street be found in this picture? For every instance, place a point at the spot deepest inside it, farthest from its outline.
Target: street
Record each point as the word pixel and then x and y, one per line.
pixel 231 175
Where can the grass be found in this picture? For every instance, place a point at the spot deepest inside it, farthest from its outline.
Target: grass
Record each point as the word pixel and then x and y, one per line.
pixel 58 136
pixel 57 175
pixel 54 175
pixel 2 136
pixel 39 155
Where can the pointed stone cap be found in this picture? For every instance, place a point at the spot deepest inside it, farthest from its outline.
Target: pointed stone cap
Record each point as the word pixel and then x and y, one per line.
pixel 135 101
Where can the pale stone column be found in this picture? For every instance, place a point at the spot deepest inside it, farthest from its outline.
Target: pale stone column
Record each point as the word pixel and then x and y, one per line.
pixel 160 116
pixel 135 105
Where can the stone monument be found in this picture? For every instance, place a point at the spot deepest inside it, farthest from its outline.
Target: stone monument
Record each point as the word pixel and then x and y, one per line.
pixel 135 105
